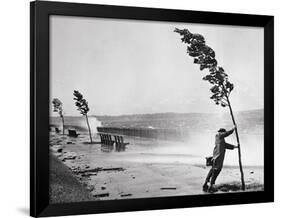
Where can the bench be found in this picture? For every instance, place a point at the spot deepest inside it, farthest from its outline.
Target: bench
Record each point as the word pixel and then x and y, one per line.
pixel 57 130
pixel 72 133
pixel 119 140
pixel 107 139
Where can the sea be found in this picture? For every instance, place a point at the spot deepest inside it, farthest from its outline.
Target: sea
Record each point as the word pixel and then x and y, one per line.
pixel 172 137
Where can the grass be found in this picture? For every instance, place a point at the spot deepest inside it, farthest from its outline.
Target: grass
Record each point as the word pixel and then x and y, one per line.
pixel 64 187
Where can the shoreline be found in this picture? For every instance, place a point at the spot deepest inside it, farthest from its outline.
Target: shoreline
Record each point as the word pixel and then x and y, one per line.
pixel 112 176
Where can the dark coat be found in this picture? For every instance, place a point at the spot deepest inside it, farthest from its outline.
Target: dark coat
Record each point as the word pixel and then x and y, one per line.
pixel 219 150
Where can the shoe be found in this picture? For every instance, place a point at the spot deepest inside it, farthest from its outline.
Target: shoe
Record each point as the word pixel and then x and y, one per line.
pixel 211 189
pixel 205 187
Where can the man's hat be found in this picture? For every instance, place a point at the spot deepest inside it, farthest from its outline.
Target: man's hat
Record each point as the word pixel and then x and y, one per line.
pixel 222 130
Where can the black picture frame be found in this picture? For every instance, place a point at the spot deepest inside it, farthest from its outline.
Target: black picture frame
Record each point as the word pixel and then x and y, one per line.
pixel 39 107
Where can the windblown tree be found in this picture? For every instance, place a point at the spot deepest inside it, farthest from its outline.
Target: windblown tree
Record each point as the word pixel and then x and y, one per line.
pixel 82 106
pixel 58 108
pixel 221 88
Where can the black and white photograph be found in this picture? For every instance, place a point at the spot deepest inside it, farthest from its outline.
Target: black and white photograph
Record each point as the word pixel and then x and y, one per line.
pixel 140 108
pixel 147 109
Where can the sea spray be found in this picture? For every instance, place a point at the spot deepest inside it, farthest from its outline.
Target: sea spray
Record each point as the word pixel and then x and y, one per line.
pixel 202 144
pixel 93 122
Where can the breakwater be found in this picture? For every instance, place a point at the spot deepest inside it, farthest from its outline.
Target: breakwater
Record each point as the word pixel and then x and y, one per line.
pixel 165 134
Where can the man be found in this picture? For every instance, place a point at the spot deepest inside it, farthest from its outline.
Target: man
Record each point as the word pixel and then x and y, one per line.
pixel 218 158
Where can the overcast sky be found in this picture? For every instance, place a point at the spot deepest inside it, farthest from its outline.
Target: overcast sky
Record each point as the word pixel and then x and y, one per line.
pixel 135 67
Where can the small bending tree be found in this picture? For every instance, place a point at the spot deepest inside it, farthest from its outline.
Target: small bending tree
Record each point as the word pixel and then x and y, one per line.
pixel 58 108
pixel 83 107
pixel 221 88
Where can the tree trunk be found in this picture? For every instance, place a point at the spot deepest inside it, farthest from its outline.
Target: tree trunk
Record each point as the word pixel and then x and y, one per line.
pixel 89 128
pixel 238 143
pixel 62 119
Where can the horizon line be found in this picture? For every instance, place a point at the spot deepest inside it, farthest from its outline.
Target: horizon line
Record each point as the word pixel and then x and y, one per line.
pixel 157 113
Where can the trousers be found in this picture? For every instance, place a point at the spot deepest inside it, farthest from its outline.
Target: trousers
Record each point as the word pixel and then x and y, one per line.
pixel 212 175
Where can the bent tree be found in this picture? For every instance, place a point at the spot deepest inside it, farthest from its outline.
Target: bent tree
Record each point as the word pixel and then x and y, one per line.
pixel 221 88
pixel 58 108
pixel 82 106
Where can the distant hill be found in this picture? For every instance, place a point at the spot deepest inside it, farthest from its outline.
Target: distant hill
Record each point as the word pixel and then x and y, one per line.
pixel 247 121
